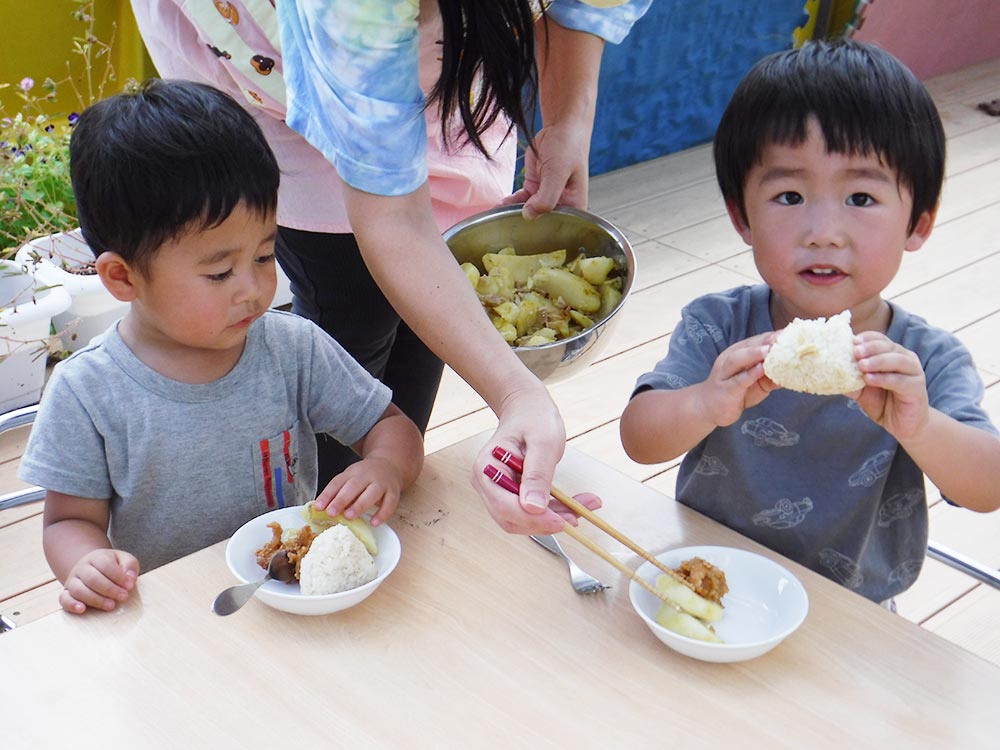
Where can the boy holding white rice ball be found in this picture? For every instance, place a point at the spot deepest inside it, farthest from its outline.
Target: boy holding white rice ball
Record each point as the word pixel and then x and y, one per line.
pixel 830 159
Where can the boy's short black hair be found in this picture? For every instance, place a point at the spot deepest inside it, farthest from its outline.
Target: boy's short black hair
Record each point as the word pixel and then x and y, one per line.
pixel 865 100
pixel 170 157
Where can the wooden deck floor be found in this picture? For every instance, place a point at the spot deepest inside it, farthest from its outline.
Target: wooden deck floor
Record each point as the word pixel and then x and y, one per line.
pixel 671 210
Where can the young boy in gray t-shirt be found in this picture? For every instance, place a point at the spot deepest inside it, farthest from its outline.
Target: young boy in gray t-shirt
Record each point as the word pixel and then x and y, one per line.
pixel 830 159
pixel 198 410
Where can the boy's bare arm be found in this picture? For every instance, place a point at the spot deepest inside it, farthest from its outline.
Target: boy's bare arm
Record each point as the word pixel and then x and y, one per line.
pixel 392 455
pixel 657 426
pixel 79 552
pixel 962 461
pixel 395 439
pixel 72 527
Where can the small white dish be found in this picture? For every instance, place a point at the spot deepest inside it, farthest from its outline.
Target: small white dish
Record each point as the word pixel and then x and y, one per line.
pixel 765 604
pixel 241 557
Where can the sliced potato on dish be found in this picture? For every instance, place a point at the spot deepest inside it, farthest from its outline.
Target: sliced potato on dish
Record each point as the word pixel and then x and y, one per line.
pixel 687 599
pixel 320 520
pixel 576 291
pixel 596 270
pixel 521 267
pixel 686 625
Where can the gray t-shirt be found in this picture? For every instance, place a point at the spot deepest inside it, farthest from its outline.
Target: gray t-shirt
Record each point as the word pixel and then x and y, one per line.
pixel 812 477
pixel 183 465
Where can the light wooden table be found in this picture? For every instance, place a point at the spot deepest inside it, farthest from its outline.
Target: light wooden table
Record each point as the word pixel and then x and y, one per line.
pixel 477 640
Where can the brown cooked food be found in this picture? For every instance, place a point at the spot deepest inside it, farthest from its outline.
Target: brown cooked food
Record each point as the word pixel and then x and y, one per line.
pixel 296 544
pixel 707 580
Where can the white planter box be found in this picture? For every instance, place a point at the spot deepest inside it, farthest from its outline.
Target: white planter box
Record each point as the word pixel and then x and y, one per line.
pixel 93 309
pixel 26 312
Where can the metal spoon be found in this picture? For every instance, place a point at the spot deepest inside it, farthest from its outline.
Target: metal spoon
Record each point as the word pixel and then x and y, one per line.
pixel 230 600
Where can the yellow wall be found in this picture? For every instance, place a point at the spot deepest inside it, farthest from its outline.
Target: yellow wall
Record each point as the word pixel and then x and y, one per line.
pixel 38 43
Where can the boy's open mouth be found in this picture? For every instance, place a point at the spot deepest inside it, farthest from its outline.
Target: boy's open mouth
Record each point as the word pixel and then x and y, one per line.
pixel 822 274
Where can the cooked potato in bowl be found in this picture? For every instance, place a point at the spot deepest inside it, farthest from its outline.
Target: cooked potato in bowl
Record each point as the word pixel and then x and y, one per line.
pixel 551 286
pixel 538 299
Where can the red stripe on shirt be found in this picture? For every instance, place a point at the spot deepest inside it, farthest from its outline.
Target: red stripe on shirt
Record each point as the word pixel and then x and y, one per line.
pixel 265 465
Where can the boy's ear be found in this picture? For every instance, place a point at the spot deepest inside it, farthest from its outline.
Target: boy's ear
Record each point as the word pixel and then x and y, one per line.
pixel 117 276
pixel 921 231
pixel 739 223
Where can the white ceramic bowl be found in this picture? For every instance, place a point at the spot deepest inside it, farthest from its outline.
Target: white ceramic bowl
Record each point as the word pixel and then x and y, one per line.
pixel 251 536
pixel 765 604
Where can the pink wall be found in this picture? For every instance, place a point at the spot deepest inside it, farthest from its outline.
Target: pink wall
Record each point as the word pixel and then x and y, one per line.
pixel 934 36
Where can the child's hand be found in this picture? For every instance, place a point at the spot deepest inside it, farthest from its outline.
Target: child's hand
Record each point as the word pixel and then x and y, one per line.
pixel 101 579
pixel 362 486
pixel 737 380
pixel 895 394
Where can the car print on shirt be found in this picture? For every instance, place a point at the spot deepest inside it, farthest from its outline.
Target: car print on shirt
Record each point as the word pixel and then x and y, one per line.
pixel 767 432
pixel 899 506
pixel 674 382
pixel 904 574
pixel 695 331
pixel 842 568
pixel 871 470
pixel 709 466
pixel 785 514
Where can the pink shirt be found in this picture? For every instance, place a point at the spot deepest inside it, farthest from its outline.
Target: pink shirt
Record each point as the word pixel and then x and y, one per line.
pixel 235 46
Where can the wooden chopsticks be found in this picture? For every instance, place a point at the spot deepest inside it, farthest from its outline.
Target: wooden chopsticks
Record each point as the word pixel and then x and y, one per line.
pixel 507 458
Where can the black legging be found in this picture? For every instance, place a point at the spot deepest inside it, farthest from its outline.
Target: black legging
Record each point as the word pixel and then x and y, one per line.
pixel 332 287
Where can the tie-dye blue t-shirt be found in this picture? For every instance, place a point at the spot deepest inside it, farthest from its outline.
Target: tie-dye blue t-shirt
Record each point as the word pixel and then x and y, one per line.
pixel 352 83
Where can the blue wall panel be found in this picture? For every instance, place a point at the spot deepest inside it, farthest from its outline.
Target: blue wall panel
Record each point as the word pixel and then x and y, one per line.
pixel 664 88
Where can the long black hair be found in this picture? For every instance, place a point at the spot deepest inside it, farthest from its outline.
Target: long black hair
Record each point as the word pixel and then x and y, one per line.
pixel 488 65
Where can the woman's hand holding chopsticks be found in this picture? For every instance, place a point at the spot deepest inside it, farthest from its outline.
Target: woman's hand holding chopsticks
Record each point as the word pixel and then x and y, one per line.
pixel 576 508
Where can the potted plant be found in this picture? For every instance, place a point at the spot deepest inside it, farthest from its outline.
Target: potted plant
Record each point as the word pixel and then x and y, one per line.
pixel 37 211
pixel 26 311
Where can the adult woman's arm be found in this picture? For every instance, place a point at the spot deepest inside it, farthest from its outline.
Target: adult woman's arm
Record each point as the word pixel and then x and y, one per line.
pixel 570 45
pixel 556 170
pixel 418 274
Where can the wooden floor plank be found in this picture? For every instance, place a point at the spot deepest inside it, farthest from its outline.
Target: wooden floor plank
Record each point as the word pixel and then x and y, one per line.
pixel 22 542
pixel 624 187
pixel 974 147
pixel 957 299
pixel 981 338
pixel 968 83
pixel 952 246
pixel 975 188
pixel 713 239
pixel 654 217
pixel 971 622
pixel 32 604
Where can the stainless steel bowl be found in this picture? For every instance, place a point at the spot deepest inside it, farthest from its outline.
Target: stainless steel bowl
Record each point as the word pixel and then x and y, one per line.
pixel 563 227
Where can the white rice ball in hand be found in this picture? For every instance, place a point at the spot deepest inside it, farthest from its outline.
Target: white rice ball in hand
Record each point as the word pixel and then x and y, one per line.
pixel 815 356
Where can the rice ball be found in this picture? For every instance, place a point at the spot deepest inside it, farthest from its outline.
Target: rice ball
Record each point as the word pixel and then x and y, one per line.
pixel 336 561
pixel 815 356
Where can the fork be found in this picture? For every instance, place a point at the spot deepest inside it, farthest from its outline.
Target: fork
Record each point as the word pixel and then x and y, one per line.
pixel 583 583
